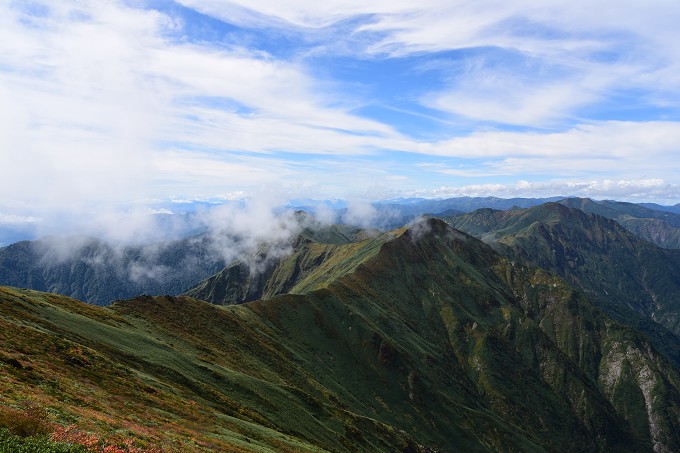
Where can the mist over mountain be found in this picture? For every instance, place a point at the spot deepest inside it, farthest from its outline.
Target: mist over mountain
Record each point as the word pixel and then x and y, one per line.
pixel 237 234
pixel 137 226
pixel 305 263
pixel 420 338
pixel 552 329
pixel 98 272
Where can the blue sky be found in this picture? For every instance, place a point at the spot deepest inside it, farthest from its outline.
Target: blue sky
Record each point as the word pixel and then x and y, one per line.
pixel 135 102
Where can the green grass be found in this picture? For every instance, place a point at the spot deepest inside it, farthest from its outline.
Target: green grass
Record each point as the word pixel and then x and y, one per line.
pixel 10 443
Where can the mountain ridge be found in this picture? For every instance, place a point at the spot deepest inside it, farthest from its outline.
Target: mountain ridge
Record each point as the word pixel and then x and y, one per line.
pixel 631 279
pixel 435 335
pixel 660 227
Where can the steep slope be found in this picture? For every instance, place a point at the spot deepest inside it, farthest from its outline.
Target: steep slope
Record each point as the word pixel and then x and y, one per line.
pixel 99 273
pixel 593 253
pixel 309 264
pixel 656 226
pixel 430 340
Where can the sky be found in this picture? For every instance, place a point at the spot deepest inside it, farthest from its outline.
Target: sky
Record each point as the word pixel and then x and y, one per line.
pixel 135 103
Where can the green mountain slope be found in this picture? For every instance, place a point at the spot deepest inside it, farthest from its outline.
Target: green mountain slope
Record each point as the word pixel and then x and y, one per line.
pixel 619 271
pixel 656 226
pixel 430 340
pixel 309 265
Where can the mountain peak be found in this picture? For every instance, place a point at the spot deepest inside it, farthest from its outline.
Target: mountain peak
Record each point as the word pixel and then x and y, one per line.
pixel 432 225
pixel 426 225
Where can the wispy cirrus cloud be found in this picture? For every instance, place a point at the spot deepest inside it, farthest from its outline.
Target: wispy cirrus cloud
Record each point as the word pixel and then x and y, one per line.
pixel 525 63
pixel 628 149
pixel 619 139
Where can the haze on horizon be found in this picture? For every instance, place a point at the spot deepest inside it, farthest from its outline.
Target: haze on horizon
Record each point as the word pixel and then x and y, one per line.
pixel 113 103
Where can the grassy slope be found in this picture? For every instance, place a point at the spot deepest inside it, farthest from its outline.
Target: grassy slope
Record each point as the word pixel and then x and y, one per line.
pixel 119 375
pixel 431 334
pixel 310 265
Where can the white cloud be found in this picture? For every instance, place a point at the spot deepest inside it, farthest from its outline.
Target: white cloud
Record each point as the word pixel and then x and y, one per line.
pixel 612 146
pixel 520 97
pixel 556 57
pixel 80 119
pixel 88 91
pixel 13 219
pixel 360 213
pixel 302 13
pixel 620 189
pixel 600 151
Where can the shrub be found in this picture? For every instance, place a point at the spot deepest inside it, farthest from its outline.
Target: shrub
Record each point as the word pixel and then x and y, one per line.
pixel 9 443
pixel 32 421
pixel 93 443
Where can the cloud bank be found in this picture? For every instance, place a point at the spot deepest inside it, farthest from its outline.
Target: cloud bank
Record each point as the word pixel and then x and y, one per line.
pixel 635 190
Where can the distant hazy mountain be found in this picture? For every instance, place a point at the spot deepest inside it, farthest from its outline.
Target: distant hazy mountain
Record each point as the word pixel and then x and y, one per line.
pixel 421 339
pixel 397 212
pixel 10 234
pixel 405 210
pixel 160 226
pixel 99 273
pixel 658 207
pixel 465 204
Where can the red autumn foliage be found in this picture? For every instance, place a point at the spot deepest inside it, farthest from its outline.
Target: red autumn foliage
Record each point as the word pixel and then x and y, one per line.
pixel 73 435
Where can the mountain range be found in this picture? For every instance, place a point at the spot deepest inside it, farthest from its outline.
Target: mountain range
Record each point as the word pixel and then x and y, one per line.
pixel 100 272
pixel 544 328
pixel 593 253
pixel 419 339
